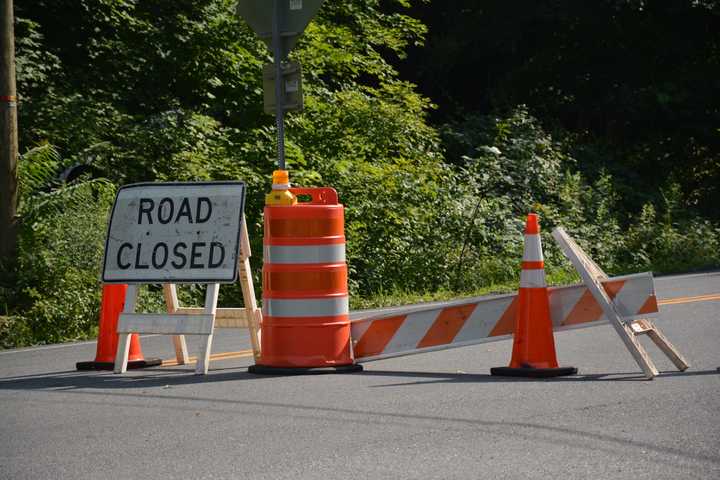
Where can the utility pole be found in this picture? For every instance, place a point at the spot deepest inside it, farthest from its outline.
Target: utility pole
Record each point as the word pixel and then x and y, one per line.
pixel 8 136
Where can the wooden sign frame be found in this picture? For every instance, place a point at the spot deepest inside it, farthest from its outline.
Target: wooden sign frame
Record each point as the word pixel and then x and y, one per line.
pixel 592 275
pixel 180 321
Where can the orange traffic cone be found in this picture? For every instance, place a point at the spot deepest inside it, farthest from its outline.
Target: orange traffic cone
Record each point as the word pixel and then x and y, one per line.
pixel 113 299
pixel 533 343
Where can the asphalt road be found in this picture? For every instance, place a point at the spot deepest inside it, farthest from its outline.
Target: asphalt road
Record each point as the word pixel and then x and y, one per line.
pixel 432 416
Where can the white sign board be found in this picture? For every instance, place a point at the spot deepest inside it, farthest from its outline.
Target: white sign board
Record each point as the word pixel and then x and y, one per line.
pixel 175 233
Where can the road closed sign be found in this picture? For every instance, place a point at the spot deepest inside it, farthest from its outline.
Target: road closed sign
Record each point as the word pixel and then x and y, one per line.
pixel 175 233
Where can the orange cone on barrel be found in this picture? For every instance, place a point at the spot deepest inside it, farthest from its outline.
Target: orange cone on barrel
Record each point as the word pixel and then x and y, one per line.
pixel 113 299
pixel 306 323
pixel 533 352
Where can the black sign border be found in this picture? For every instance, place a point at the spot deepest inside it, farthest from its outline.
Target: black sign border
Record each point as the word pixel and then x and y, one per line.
pixel 165 280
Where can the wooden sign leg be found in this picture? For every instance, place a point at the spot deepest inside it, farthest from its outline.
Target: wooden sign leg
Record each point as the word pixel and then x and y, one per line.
pixel 647 327
pixel 253 313
pixel 211 298
pixel 171 301
pixel 668 349
pixel 590 273
pixel 123 349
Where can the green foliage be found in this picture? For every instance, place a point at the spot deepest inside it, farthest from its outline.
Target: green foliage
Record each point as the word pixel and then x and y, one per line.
pixel 626 79
pixel 56 295
pixel 167 91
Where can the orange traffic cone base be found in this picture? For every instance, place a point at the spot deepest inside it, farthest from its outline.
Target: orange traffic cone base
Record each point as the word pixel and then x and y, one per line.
pixel 268 370
pixel 532 372
pixel 148 362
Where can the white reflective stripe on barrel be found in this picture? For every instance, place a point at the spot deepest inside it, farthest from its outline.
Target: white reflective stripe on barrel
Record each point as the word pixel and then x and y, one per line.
pixel 334 253
pixel 311 307
pixel 533 250
pixel 534 278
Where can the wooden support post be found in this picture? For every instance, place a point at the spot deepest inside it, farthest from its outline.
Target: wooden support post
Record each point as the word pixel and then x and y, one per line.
pixel 8 135
pixel 171 301
pixel 591 275
pixel 254 315
pixel 123 350
pixel 211 297
pixel 647 327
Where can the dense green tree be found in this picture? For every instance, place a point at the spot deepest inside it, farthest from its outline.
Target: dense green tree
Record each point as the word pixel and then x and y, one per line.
pixel 633 82
pixel 591 114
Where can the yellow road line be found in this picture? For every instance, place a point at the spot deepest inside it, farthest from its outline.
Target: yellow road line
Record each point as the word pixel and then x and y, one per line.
pixel 698 298
pixel 216 356
pixel 249 353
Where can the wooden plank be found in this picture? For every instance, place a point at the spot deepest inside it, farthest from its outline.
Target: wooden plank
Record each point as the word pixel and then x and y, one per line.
pixel 121 356
pixel 228 313
pixel 166 324
pixel 590 273
pixel 172 304
pixel 231 322
pixel 254 318
pixel 641 326
pixel 211 298
pixel 668 348
pixel 224 317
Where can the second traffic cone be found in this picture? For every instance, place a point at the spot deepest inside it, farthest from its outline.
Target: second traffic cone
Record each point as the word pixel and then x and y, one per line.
pixel 533 352
pixel 113 299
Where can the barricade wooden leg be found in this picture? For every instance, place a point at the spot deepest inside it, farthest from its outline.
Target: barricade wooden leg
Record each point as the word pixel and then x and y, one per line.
pixel 637 351
pixel 592 275
pixel 203 360
pixel 123 350
pixel 181 351
pixel 647 327
pixel 253 313
pixel 668 349
pixel 172 304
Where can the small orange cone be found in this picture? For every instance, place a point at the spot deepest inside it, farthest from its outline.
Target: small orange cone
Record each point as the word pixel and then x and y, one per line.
pixel 113 300
pixel 533 343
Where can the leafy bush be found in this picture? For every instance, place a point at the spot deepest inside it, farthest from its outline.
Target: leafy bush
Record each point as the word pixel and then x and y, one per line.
pixel 156 91
pixel 57 285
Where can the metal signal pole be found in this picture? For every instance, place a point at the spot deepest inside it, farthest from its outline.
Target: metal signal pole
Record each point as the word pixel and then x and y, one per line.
pixel 8 135
pixel 279 99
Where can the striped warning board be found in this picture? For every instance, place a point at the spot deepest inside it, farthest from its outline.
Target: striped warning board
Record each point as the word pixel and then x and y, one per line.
pixel 478 320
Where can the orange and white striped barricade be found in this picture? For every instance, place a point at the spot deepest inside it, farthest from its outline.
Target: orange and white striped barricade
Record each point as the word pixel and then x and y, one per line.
pixel 306 325
pixel 439 326
pixel 593 276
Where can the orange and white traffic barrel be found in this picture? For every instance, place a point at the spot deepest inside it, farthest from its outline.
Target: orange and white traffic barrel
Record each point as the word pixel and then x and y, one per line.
pixel 306 323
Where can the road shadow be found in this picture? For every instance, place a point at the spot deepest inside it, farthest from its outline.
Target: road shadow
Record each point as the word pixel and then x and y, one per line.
pixel 442 377
pixel 168 377
pixel 105 380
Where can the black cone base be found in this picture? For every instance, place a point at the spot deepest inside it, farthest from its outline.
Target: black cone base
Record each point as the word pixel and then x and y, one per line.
pixel 266 370
pixel 533 372
pixel 148 362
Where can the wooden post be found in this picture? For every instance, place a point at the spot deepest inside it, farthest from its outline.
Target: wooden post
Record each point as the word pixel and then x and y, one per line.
pixel 591 275
pixel 254 315
pixel 123 348
pixel 172 304
pixel 211 298
pixel 8 135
